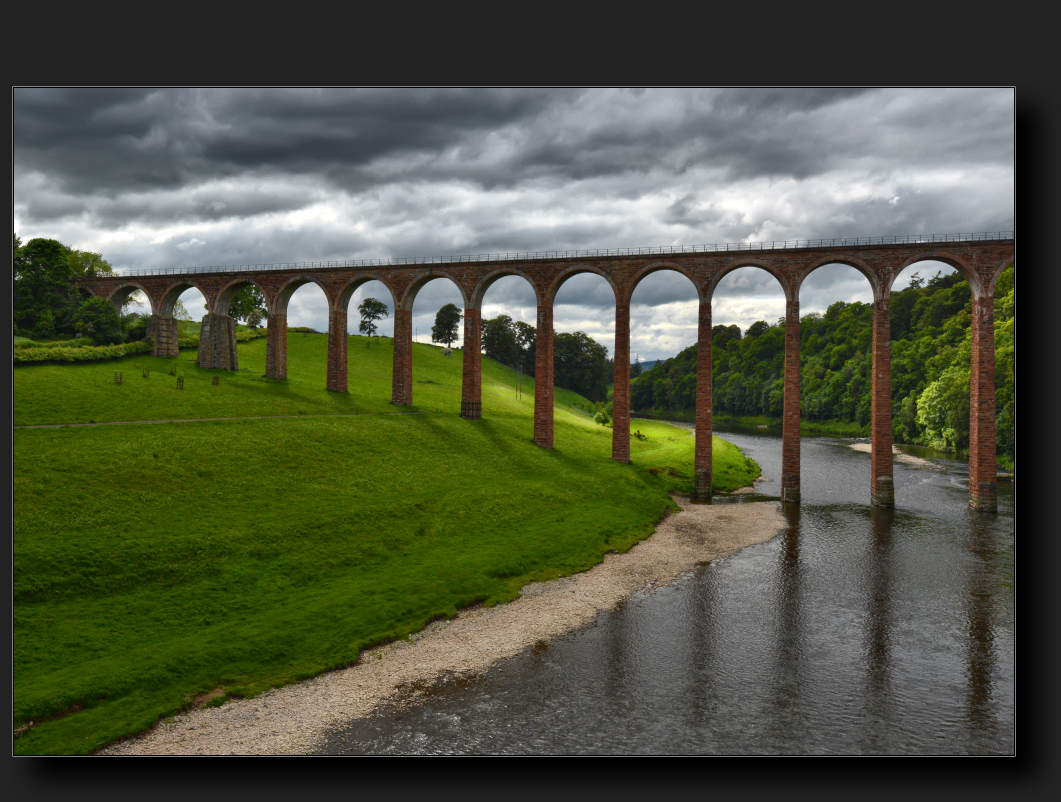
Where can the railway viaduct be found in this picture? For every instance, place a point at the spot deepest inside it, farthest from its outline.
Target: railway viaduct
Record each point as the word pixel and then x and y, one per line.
pixel 980 258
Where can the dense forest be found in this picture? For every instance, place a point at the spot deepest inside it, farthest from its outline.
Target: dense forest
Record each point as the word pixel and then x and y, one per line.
pixel 930 367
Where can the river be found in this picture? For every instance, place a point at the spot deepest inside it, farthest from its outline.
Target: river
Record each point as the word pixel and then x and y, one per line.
pixel 854 631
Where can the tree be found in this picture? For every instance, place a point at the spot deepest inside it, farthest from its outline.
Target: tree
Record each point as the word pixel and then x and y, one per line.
pixel 247 300
pixel 446 322
pixel 371 310
pixel 526 340
pixel 85 264
pixel 98 319
pixel 44 302
pixel 180 311
pixel 255 318
pixel 635 369
pixel 499 340
pixel 581 364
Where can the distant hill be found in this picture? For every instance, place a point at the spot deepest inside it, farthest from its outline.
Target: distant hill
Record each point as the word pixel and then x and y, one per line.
pixel 650 363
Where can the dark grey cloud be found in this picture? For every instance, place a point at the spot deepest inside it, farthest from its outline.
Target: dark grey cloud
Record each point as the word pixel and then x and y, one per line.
pixel 180 178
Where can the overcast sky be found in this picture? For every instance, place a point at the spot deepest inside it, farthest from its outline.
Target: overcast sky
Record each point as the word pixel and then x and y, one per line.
pixel 183 178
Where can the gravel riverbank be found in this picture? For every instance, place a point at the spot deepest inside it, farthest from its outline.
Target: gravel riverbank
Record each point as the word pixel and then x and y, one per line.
pixel 296 718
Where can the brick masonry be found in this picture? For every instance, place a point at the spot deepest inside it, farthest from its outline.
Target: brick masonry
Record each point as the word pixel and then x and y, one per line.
pixel 882 493
pixel 979 261
pixel 621 395
pixel 472 368
pixel 543 379
pixel 217 343
pixel 790 414
pixel 702 459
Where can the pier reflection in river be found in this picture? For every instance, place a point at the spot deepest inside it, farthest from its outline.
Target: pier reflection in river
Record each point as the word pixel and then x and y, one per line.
pixel 856 630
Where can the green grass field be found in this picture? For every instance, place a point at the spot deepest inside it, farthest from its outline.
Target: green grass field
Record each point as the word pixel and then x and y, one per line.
pixel 156 562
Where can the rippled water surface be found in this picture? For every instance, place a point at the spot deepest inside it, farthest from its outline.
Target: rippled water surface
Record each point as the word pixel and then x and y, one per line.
pixel 855 631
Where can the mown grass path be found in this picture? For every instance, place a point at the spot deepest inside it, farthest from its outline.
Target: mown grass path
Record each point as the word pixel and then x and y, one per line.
pixel 154 563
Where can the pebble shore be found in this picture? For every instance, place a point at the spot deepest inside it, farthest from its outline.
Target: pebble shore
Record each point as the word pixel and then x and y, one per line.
pixel 296 718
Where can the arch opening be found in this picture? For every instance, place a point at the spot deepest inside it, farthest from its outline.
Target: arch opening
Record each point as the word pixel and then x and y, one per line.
pixel 584 338
pixel 836 348
pixel 355 294
pixel 509 314
pixel 664 325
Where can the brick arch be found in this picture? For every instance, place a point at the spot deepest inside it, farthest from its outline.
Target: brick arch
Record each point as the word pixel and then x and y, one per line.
pixel 850 261
pixel 346 292
pixel 998 271
pixel 172 293
pixel 224 297
pixel 574 270
pixel 417 284
pixel 655 268
pixel 764 264
pixel 282 297
pixel 967 271
pixel 487 281
pixel 123 291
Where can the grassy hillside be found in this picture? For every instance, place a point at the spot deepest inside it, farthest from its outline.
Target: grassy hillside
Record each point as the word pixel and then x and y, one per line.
pixel 156 562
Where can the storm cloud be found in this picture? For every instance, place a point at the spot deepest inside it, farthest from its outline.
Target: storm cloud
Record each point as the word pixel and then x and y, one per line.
pixel 180 178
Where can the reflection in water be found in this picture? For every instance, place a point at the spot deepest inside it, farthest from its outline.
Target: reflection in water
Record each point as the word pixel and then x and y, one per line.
pixel 789 626
pixel 979 600
pixel 879 619
pixel 856 630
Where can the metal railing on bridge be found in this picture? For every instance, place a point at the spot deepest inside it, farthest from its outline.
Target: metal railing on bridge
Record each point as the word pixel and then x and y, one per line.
pixel 847 242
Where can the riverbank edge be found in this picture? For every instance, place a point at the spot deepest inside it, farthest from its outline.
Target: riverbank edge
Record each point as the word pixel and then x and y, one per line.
pixel 297 718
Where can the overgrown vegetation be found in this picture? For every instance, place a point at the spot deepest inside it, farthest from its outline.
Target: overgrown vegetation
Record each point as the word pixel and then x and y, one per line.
pixel 156 562
pixel 930 355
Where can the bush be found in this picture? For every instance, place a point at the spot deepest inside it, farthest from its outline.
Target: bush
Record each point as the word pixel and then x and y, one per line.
pixel 30 356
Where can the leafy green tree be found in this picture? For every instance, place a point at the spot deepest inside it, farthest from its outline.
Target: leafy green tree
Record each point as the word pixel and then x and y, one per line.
pixel 447 320
pixel 526 337
pixel 98 319
pixel 180 311
pixel 943 411
pixel 499 340
pixel 44 302
pixel 85 264
pixel 247 300
pixel 255 318
pixel 635 369
pixel 580 363
pixel 371 310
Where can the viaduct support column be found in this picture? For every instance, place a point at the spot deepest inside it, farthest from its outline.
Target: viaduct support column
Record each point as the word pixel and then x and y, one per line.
pixel 882 491
pixel 702 465
pixel 337 343
pixel 164 332
pixel 217 343
pixel 402 380
pixel 276 347
pixel 472 377
pixel 621 396
pixel 790 426
pixel 983 490
pixel 543 379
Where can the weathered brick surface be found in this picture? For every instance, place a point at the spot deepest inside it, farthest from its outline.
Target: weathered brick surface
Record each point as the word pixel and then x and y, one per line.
pixel 276 346
pixel 543 379
pixel 621 394
pixel 164 332
pixel 217 343
pixel 790 415
pixel 882 493
pixel 337 344
pixel 983 490
pixel 702 461
pixel 979 261
pixel 472 368
pixel 402 376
